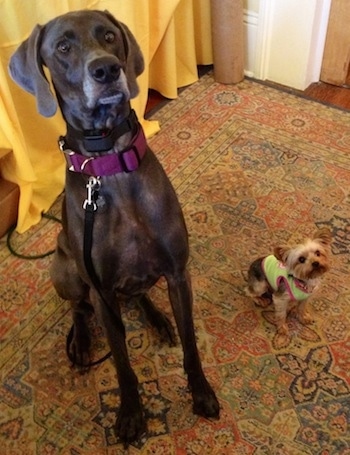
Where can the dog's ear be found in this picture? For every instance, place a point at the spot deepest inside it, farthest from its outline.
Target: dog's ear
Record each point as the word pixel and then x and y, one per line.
pixel 323 236
pixel 26 69
pixel 281 253
pixel 134 58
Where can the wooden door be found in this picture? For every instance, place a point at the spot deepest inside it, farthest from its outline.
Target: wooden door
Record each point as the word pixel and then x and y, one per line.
pixel 336 58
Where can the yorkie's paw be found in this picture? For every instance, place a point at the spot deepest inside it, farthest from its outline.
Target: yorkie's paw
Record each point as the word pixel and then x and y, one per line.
pixel 305 318
pixel 263 301
pixel 283 329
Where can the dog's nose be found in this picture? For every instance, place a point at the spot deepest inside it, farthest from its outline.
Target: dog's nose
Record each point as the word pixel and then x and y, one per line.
pixel 104 70
pixel 315 264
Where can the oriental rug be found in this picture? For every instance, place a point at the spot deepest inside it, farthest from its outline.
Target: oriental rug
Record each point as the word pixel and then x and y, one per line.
pixel 253 167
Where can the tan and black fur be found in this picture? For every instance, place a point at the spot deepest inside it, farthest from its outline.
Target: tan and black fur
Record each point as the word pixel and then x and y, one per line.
pixel 306 262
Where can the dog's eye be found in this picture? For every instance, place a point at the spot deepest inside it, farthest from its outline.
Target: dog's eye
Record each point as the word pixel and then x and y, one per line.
pixel 109 37
pixel 63 47
pixel 317 253
pixel 302 259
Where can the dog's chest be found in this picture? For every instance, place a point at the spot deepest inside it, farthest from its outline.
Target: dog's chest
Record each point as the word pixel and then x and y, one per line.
pixel 136 266
pixel 128 252
pixel 138 233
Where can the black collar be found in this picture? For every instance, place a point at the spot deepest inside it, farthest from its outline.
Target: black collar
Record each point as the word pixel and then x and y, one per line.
pixel 104 140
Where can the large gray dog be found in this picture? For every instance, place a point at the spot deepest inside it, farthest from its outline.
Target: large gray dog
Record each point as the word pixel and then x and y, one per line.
pixel 123 227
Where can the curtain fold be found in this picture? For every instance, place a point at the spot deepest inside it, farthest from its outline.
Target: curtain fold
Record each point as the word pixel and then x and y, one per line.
pixel 174 37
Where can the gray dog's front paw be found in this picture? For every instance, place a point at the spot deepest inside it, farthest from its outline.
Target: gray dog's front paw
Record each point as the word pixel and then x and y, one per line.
pixel 130 424
pixel 206 404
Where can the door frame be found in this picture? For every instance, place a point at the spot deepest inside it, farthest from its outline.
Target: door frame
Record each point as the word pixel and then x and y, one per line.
pixel 291 37
pixel 336 58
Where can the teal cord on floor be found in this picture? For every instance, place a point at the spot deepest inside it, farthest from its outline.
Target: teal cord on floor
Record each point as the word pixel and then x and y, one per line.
pixel 24 256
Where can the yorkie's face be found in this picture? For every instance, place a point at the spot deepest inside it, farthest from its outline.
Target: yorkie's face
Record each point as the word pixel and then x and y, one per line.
pixel 309 260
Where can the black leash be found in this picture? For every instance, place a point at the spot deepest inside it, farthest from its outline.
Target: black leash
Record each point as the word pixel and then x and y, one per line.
pixel 25 256
pixel 90 207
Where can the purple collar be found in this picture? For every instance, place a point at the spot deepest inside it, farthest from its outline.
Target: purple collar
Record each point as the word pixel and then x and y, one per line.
pixel 126 160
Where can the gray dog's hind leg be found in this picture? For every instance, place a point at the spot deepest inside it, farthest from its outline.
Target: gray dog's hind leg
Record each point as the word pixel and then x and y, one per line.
pixel 158 320
pixel 79 349
pixel 205 402
pixel 69 286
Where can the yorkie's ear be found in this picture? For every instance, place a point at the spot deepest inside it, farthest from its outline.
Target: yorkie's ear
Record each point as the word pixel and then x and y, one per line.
pixel 323 236
pixel 281 252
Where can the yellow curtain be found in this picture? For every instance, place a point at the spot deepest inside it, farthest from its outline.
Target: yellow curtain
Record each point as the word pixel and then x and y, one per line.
pixel 174 36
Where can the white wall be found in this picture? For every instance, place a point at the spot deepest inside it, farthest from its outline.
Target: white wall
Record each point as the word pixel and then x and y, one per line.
pixel 251 5
pixel 285 40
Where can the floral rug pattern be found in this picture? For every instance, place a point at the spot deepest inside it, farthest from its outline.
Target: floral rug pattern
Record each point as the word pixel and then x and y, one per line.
pixel 253 167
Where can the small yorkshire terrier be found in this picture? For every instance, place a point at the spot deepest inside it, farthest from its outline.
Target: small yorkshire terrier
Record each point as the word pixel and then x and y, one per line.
pixel 289 276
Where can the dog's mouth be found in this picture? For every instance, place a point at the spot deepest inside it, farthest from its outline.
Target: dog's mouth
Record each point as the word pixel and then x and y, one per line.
pixel 117 98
